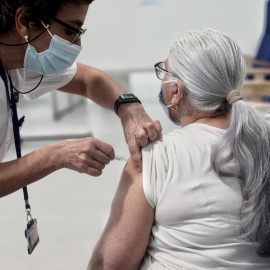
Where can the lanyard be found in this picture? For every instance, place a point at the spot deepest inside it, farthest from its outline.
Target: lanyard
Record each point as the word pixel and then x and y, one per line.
pixel 16 124
pixel 31 232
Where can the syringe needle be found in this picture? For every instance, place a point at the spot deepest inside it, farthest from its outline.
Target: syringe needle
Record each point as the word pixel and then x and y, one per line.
pixel 120 158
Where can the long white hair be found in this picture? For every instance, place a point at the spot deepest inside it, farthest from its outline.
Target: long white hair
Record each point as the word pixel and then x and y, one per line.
pixel 210 65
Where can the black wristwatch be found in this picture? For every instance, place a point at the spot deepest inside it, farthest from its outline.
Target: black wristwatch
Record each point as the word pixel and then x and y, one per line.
pixel 125 98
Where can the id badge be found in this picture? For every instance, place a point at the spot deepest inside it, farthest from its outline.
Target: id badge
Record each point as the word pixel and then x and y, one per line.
pixel 31 234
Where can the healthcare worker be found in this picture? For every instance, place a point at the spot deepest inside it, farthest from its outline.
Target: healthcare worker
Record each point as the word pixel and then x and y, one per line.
pixel 39 42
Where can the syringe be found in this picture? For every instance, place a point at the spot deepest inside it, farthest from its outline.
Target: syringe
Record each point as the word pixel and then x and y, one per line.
pixel 120 158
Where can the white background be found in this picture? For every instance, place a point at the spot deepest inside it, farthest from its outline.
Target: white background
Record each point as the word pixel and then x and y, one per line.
pixel 122 34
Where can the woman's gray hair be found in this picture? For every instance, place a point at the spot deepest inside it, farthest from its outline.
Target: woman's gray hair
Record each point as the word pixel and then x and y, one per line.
pixel 210 65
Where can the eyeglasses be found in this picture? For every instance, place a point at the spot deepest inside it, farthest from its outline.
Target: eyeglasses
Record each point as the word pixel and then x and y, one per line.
pixel 161 71
pixel 74 31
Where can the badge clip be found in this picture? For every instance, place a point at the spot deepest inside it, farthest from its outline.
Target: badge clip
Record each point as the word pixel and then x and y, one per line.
pixel 31 233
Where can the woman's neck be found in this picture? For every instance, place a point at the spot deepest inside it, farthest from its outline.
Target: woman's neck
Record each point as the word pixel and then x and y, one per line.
pixel 218 119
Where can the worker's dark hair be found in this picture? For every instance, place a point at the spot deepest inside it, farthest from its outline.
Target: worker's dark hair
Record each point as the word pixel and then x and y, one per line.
pixel 39 9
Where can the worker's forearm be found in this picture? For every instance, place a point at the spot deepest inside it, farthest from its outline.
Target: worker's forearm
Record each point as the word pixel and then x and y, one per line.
pixel 28 169
pixel 105 90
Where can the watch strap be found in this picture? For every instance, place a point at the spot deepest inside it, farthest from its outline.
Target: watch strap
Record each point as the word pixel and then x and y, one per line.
pixel 125 98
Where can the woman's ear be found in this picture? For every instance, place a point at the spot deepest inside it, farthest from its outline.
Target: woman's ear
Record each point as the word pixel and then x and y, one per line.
pixel 178 93
pixel 21 22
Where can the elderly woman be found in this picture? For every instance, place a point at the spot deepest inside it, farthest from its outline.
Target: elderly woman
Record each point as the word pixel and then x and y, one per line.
pixel 202 200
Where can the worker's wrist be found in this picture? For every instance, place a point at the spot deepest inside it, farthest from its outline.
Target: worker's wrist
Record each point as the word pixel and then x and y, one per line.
pixel 128 110
pixel 124 99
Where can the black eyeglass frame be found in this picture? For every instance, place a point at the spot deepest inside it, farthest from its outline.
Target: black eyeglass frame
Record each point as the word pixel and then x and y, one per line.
pixel 157 67
pixel 78 32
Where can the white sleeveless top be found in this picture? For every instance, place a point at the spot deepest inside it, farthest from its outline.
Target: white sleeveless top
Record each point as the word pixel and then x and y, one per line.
pixel 196 212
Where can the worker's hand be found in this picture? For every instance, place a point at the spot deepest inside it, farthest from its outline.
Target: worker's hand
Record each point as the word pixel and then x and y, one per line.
pixel 139 130
pixel 87 155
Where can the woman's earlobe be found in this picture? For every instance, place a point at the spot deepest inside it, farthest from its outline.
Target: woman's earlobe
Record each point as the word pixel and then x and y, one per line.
pixel 21 23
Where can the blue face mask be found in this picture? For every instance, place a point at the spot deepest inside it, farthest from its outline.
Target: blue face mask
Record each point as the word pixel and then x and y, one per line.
pixel 60 55
pixel 166 108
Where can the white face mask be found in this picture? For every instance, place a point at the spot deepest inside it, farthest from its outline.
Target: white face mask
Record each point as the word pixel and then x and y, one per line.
pixel 60 55
pixel 166 108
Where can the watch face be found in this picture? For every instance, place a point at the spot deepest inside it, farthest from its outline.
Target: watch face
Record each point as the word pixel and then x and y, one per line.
pixel 127 96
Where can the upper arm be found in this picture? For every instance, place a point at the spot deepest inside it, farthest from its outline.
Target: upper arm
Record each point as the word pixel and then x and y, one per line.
pixel 94 84
pixel 126 235
pixel 83 79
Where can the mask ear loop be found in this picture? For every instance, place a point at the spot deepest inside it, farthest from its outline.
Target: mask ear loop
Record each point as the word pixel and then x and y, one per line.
pixel 46 27
pixel 170 81
pixel 174 107
pixel 169 106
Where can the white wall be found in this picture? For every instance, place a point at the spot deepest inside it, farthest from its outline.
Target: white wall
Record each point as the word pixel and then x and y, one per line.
pixel 124 35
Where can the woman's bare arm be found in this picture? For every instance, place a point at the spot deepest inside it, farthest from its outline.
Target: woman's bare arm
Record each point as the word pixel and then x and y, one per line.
pixel 126 235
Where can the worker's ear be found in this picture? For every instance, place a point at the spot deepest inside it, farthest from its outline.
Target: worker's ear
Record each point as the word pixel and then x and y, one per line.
pixel 178 93
pixel 22 23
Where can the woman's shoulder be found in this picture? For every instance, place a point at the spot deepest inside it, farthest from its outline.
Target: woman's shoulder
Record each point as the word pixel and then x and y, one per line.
pixel 190 135
pixel 196 130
